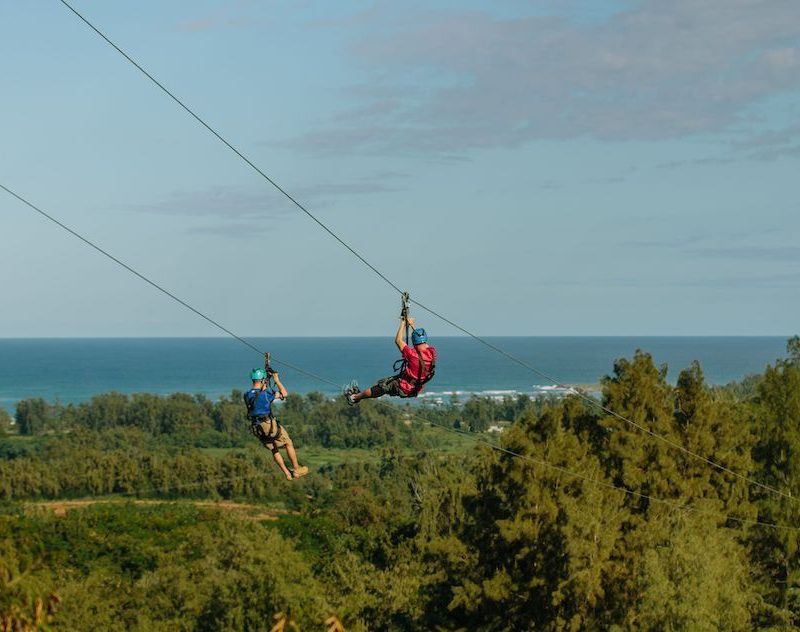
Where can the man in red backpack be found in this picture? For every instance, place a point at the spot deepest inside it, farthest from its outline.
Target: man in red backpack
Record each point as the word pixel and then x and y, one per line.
pixel 419 364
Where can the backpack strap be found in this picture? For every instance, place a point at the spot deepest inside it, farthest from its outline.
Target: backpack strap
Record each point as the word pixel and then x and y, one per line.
pixel 423 376
pixel 251 402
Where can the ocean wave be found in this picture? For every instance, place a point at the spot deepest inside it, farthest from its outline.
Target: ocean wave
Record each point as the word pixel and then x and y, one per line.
pixel 498 394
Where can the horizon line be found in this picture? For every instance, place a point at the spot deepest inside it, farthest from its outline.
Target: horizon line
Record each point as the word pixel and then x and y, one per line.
pixel 386 336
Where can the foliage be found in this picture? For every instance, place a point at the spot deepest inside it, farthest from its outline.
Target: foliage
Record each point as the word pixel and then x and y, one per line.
pixel 33 416
pixel 793 349
pixel 581 521
pixel 167 568
pixel 5 422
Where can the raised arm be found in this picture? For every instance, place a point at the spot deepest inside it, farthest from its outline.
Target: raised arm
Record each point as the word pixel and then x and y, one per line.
pixel 398 337
pixel 281 390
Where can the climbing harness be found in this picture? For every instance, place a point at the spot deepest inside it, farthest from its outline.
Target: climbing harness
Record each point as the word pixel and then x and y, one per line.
pixel 271 385
pixel 265 427
pixel 266 376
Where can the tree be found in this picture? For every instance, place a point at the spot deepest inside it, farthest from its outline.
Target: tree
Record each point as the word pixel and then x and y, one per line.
pixel 106 410
pixel 33 416
pixel 777 427
pixel 793 349
pixel 639 459
pixel 540 539
pixel 145 412
pixel 5 421
pixel 720 432
pixel 25 603
pixel 695 576
pixel 477 414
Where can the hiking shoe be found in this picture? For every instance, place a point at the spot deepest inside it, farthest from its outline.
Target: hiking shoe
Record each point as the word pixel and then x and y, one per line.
pixel 300 471
pixel 350 390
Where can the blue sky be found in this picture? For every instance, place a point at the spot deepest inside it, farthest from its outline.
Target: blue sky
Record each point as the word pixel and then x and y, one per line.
pixel 526 168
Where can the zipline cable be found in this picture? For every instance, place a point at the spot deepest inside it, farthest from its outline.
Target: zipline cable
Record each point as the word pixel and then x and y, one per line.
pixel 162 489
pixel 230 146
pixel 606 484
pixel 605 409
pixel 160 288
pixel 323 379
pixel 386 279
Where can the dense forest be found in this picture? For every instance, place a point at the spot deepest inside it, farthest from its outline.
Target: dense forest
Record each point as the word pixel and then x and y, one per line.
pixel 569 519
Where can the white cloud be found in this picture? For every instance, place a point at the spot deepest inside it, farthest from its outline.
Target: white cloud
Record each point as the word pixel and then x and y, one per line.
pixel 456 80
pixel 233 209
pixel 224 202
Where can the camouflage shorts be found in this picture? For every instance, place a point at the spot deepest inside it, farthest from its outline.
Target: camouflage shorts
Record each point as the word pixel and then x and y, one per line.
pixel 388 386
pixel 270 433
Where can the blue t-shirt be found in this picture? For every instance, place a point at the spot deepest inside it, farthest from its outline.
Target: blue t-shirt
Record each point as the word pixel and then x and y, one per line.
pixel 259 403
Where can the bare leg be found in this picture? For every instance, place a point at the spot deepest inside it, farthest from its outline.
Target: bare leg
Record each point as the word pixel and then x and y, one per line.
pixel 292 455
pixel 281 464
pixel 365 394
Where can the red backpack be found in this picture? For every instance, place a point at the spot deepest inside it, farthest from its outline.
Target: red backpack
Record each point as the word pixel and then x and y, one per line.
pixel 425 373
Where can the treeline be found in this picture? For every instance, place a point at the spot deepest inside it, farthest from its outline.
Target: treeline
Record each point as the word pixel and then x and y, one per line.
pixel 583 522
pixel 183 419
pixel 129 462
pixel 150 445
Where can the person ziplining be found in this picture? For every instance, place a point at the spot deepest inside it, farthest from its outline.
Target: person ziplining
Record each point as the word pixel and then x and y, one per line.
pixel 263 423
pixel 263 413
pixel 592 401
pixel 415 369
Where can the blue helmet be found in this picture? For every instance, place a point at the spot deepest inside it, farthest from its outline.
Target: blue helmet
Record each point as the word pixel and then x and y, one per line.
pixel 258 375
pixel 418 337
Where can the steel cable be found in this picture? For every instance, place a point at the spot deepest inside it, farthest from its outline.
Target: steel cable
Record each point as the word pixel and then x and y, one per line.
pixel 387 280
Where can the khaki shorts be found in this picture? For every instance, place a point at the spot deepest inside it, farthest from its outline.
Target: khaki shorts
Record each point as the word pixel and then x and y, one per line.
pixel 271 434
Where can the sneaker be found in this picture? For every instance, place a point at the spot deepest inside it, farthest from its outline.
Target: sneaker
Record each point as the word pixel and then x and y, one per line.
pixel 350 390
pixel 300 471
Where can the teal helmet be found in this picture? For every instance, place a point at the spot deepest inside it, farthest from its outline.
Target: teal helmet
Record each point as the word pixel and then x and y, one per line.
pixel 258 374
pixel 418 336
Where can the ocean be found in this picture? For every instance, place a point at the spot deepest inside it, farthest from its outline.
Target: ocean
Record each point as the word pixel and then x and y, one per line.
pixel 73 370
